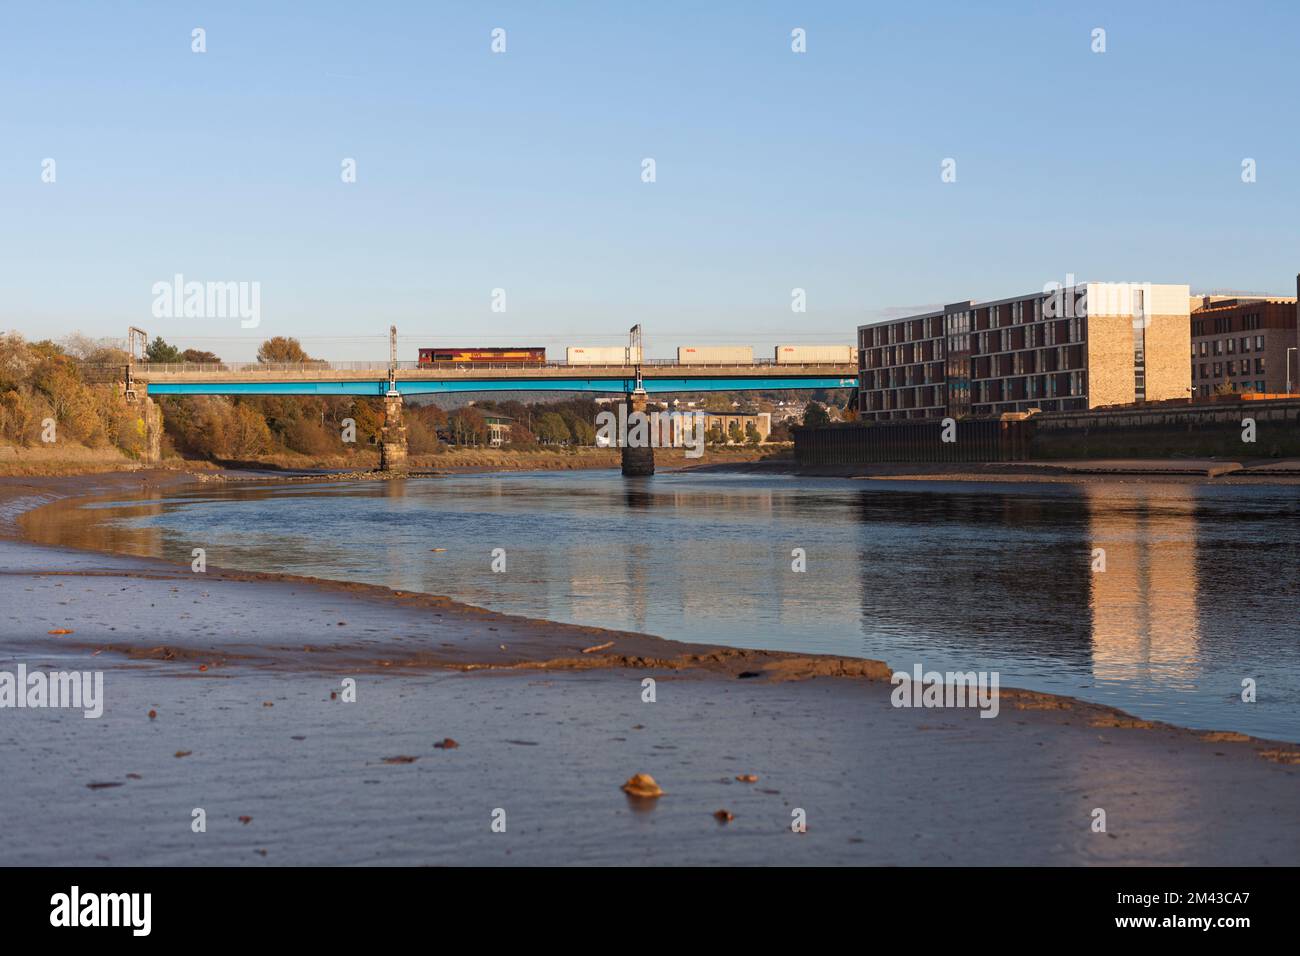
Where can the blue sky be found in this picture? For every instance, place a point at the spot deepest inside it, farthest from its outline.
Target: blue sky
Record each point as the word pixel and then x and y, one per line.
pixel 522 170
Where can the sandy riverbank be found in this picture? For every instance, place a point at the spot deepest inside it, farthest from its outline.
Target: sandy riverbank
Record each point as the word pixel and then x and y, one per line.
pixel 548 733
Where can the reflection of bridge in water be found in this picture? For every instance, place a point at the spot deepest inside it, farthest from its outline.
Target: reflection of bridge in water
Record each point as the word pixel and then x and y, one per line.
pixel 393 380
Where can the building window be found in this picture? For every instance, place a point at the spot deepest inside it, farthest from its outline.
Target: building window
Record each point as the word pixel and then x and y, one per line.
pixel 1259 343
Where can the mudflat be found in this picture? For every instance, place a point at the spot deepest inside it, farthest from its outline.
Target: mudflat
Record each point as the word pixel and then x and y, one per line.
pixel 308 722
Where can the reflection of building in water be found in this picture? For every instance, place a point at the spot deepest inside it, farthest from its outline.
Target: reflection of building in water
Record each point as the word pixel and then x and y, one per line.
pixel 1144 615
pixel 975 576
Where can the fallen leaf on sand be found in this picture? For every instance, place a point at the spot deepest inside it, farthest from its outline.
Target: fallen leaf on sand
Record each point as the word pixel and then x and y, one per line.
pixel 400 759
pixel 747 778
pixel 184 753
pixel 60 630
pixel 153 714
pixel 267 703
pixel 245 820
pixel 437 549
pixel 101 786
pixel 642 785
pixel 598 647
pixel 724 816
pixel 446 744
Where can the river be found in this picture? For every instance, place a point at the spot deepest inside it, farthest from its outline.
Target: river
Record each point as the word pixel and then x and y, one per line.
pixel 1157 598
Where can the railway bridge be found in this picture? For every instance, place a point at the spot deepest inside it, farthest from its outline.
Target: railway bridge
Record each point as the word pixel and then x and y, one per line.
pixel 393 380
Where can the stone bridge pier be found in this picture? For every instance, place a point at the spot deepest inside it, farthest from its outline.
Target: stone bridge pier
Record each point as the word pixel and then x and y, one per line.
pixel 637 461
pixel 151 423
pixel 392 438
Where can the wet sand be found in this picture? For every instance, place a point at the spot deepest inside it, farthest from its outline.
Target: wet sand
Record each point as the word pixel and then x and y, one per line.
pixel 548 733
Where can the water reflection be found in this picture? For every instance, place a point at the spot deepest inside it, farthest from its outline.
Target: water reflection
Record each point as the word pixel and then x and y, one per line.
pixel 1144 604
pixel 1198 592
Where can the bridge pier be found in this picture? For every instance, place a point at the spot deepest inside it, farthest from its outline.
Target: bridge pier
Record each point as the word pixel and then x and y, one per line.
pixel 392 438
pixel 153 431
pixel 637 461
pixel 137 394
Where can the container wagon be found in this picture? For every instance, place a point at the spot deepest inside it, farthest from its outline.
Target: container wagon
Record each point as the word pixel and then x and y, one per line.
pixel 483 356
pixel 816 354
pixel 616 355
pixel 715 355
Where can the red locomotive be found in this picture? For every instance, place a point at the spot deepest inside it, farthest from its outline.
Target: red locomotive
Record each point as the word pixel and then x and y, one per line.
pixel 483 356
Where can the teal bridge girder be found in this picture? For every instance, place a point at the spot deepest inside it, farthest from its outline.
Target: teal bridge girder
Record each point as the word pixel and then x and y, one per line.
pixel 608 385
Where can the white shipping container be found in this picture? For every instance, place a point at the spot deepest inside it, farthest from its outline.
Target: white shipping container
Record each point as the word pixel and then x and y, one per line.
pixel 715 355
pixel 815 354
pixel 609 355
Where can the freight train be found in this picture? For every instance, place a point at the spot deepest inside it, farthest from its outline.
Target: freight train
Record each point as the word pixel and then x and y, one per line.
pixel 686 355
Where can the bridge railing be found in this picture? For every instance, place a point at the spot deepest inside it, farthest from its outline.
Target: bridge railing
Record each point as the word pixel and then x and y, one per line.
pixel 380 369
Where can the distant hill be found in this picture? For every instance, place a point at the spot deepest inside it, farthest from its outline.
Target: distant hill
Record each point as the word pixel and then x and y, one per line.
pixel 451 400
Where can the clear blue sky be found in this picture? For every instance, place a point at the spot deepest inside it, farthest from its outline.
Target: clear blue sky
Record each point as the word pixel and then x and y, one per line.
pixel 522 170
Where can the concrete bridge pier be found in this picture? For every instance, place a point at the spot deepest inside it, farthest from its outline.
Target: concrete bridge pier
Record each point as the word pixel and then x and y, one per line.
pixel 392 438
pixel 637 461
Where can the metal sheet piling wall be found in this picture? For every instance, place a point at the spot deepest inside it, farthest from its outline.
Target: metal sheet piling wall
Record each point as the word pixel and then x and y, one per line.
pixel 922 441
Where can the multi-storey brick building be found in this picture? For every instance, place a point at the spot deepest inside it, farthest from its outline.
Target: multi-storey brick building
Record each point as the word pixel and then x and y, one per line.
pixel 1087 345
pixel 1241 342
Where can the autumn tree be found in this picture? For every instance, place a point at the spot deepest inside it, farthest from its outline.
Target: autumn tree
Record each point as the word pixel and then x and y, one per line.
pixel 521 436
pixel 283 350
pixel 200 358
pixel 467 426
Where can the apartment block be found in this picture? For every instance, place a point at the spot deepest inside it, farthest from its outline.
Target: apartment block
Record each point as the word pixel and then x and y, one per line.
pixel 1062 349
pixel 1241 343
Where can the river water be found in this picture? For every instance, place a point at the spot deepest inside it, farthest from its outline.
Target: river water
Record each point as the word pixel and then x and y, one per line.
pixel 1200 588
